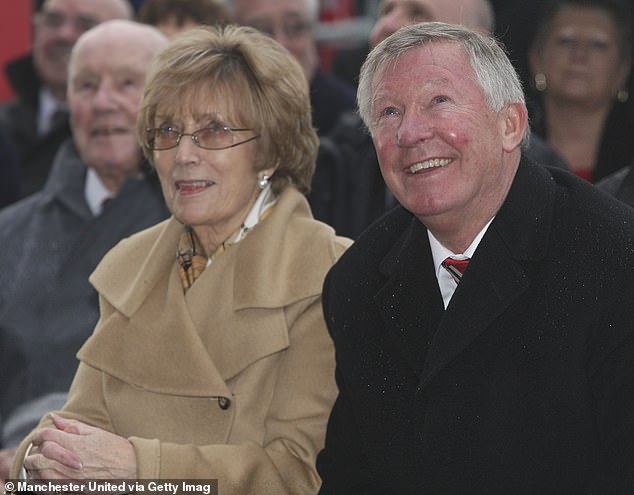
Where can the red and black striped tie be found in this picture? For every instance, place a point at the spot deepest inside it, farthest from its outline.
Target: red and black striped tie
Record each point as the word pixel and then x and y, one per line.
pixel 456 268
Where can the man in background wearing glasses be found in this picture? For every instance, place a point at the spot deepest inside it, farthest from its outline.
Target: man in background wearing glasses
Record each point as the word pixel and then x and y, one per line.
pixel 291 23
pixel 36 121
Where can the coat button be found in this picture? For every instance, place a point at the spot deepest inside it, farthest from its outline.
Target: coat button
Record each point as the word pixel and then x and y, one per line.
pixel 224 403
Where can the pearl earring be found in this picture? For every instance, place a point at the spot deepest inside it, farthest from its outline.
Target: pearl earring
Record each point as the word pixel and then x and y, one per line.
pixel 263 181
pixel 540 82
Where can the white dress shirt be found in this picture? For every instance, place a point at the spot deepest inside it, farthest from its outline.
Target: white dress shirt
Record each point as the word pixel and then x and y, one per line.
pixel 95 192
pixel 48 106
pixel 439 252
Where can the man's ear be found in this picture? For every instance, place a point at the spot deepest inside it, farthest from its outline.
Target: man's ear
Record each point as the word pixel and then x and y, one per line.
pixel 513 123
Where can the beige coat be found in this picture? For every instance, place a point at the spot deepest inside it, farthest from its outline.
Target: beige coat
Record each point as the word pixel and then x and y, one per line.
pixel 234 380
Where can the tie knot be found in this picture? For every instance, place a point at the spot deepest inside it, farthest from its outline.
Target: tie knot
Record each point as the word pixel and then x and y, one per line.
pixel 456 268
pixel 105 202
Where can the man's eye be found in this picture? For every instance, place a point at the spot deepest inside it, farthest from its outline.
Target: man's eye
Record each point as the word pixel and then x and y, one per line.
pixel 265 29
pixel 441 99
pixel 389 111
pixel 83 24
pixel 86 85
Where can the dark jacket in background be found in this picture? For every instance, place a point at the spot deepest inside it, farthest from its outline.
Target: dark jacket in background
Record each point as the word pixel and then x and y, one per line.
pixel 51 243
pixel 617 146
pixel 18 122
pixel 329 97
pixel 620 184
pixel 9 174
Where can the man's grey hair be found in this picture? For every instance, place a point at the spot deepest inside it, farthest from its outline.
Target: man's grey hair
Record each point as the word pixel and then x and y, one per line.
pixel 493 70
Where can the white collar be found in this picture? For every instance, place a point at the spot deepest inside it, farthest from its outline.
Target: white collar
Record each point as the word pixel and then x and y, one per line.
pixel 439 252
pixel 47 108
pixel 95 192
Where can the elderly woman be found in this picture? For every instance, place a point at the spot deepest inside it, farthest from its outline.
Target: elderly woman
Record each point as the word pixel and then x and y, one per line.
pixel 581 59
pixel 211 357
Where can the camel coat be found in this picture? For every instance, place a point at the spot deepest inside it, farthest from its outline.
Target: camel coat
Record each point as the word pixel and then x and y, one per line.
pixel 231 381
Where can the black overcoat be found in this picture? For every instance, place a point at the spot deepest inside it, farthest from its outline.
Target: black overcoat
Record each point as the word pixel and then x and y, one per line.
pixel 525 384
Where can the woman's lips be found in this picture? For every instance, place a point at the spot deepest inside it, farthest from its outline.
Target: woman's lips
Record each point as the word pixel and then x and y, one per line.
pixel 193 186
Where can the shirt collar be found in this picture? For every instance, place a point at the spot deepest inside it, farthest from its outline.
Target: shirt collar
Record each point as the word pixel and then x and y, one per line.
pixel 95 192
pixel 439 252
pixel 48 106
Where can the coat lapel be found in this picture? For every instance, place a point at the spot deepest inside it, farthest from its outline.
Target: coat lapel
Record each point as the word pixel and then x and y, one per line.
pixel 136 342
pixel 410 302
pixel 496 276
pixel 477 302
pixel 238 289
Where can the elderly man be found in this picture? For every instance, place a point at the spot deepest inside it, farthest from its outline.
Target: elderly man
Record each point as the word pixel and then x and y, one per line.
pixel 291 23
pixel 99 191
pixel 364 196
pixel 36 121
pixel 483 329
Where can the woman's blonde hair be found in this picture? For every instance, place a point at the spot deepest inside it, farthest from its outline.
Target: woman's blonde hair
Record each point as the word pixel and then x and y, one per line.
pixel 259 79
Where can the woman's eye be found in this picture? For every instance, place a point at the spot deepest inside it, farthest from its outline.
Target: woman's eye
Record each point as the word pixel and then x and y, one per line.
pixel 598 45
pixel 216 127
pixel 566 41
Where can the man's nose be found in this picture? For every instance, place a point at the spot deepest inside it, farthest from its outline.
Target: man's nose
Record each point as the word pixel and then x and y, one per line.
pixel 414 129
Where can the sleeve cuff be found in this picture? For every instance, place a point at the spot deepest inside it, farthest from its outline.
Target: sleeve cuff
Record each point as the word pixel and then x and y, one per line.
pixel 22 473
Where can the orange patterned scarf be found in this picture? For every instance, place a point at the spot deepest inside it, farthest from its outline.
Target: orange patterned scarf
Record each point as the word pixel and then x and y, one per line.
pixel 192 260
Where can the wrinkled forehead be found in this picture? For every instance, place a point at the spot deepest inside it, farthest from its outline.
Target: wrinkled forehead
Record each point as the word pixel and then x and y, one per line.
pixel 433 55
pixel 108 50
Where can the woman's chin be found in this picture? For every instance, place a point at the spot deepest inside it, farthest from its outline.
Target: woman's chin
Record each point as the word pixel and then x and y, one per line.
pixel 192 216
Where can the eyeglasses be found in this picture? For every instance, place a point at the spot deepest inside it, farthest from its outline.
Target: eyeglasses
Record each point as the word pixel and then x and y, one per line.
pixel 213 137
pixel 53 19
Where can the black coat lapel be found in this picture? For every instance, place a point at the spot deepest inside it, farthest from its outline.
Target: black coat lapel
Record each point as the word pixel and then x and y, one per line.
pixel 410 302
pixel 496 276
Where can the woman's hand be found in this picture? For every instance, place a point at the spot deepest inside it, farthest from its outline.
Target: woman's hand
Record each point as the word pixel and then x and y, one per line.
pixel 74 450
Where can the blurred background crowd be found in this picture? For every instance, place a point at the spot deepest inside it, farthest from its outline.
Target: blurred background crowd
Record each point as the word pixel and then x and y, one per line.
pixel 584 121
pixel 574 58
